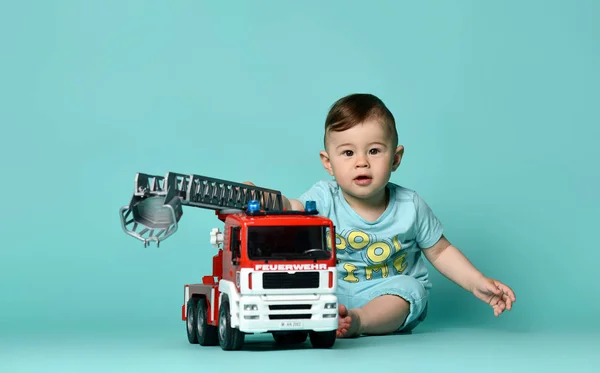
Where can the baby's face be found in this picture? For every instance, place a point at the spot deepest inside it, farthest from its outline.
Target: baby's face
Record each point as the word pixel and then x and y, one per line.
pixel 361 159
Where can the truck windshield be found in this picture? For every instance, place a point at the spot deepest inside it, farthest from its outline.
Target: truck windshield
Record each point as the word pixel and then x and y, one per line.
pixel 288 242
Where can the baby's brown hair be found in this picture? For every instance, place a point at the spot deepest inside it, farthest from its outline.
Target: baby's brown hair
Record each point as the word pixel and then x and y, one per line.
pixel 356 108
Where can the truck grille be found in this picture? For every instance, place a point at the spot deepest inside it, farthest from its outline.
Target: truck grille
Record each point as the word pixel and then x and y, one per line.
pixel 283 280
pixel 279 307
pixel 304 316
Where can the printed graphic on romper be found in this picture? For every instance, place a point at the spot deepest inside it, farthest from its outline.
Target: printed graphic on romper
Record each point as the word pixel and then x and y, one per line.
pixel 365 257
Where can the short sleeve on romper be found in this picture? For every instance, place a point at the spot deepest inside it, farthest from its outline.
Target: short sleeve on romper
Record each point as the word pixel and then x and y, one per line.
pixel 429 228
pixel 322 193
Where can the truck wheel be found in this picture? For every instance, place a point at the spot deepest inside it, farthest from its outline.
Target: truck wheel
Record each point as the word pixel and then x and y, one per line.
pixel 288 338
pixel 229 338
pixel 206 334
pixel 322 339
pixel 192 306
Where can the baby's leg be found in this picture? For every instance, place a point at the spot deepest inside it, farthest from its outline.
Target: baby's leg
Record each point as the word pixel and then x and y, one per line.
pixel 384 314
pixel 390 305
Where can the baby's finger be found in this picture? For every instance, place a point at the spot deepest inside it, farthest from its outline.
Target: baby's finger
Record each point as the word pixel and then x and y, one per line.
pixel 500 306
pixel 493 288
pixel 506 290
pixel 508 301
pixel 497 311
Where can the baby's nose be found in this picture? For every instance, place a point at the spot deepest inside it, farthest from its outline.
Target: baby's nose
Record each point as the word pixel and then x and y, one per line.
pixel 362 162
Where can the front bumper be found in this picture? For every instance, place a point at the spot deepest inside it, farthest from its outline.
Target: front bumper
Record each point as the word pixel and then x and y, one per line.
pixel 262 314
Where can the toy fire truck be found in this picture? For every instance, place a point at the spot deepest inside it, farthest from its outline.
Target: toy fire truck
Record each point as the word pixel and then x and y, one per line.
pixel 274 271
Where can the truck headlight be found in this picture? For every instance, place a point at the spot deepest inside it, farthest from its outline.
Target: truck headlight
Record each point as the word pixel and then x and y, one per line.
pixel 250 307
pixel 329 305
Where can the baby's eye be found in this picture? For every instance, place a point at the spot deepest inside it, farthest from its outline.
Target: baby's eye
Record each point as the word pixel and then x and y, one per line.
pixel 374 151
pixel 347 153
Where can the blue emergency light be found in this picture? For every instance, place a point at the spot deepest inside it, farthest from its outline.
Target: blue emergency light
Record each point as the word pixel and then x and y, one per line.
pixel 311 206
pixel 253 206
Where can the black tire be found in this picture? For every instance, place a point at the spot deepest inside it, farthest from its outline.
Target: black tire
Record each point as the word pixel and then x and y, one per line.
pixel 285 338
pixel 323 339
pixel 229 338
pixel 206 334
pixel 191 323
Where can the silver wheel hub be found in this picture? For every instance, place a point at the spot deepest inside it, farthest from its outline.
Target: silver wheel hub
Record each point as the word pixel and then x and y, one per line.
pixel 222 326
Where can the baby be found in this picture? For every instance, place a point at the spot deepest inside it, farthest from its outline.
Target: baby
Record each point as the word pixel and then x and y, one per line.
pixel 383 228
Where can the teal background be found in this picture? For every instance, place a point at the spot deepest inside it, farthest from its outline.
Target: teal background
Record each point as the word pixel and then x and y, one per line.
pixel 496 104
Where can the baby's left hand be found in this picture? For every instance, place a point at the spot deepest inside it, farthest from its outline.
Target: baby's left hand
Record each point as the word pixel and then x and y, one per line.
pixel 496 294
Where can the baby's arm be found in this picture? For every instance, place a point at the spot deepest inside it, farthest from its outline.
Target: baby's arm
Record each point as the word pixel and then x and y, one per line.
pixel 453 264
pixel 292 204
pixel 450 262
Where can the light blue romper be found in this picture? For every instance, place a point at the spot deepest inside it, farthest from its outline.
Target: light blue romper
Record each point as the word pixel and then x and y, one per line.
pixel 384 256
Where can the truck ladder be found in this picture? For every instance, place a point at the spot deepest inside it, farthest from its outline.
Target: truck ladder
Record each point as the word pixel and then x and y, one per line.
pixel 156 204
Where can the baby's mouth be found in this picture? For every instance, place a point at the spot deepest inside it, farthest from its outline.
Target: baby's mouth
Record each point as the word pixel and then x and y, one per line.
pixel 362 179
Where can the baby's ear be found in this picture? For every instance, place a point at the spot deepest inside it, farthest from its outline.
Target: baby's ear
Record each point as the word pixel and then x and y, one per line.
pixel 326 162
pixel 397 157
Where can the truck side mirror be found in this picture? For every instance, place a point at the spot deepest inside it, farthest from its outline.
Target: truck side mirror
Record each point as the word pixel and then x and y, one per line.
pixel 216 238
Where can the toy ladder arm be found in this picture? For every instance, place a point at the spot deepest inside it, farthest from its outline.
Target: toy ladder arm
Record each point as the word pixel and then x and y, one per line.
pixel 156 205
pixel 217 194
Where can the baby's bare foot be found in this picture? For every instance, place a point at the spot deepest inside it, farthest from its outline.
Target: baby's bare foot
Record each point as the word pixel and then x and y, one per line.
pixel 348 323
pixel 344 321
